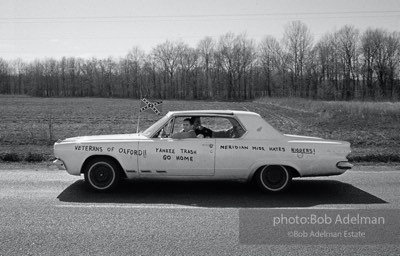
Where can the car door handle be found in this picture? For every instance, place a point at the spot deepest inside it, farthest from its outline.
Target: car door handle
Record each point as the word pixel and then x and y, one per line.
pixel 211 145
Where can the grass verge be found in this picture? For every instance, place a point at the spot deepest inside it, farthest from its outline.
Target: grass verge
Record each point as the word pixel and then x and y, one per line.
pixel 31 125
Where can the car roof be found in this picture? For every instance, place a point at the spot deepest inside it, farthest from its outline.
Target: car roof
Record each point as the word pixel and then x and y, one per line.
pixel 212 112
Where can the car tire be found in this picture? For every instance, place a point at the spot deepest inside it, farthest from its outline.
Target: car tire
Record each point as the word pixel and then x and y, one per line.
pixel 102 174
pixel 273 178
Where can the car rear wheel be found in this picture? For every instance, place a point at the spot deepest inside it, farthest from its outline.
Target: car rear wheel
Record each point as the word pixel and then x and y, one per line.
pixel 273 178
pixel 102 174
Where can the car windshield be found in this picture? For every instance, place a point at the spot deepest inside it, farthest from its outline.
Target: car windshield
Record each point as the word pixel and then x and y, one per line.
pixel 153 128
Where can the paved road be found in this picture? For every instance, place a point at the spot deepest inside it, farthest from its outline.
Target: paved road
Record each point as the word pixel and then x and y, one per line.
pixel 48 212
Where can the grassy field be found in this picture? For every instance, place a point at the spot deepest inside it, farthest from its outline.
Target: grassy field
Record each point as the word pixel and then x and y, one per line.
pixel 29 126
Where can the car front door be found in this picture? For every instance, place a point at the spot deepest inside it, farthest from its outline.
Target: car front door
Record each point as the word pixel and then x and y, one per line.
pixel 177 157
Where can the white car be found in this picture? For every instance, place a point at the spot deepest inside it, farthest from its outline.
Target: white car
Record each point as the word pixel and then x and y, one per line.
pixel 239 145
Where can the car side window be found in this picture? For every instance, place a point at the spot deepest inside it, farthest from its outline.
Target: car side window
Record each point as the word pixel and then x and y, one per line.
pixel 221 127
pixel 224 127
pixel 237 129
pixel 215 123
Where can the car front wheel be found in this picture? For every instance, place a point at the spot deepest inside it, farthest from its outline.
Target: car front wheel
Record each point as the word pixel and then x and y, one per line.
pixel 273 178
pixel 102 174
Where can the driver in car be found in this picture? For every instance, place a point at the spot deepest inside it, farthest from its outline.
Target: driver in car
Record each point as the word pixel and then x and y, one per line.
pixel 187 132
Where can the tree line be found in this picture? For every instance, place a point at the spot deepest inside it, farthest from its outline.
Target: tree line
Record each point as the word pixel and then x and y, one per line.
pixel 342 65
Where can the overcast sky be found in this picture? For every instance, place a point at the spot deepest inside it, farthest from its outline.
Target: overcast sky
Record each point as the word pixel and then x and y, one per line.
pixel 53 28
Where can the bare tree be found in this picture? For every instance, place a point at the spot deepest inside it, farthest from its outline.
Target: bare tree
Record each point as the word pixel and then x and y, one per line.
pixel 369 53
pixel 341 65
pixel 298 42
pixel 4 77
pixel 17 69
pixel 151 73
pixel 386 61
pixel 393 53
pixel 225 59
pixel 206 50
pixel 235 54
pixel 346 45
pixel 167 54
pixel 134 61
pixel 327 59
pixel 189 59
pixel 246 56
pixel 270 55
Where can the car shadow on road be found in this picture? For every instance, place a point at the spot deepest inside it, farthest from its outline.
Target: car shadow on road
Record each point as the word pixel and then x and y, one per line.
pixel 303 193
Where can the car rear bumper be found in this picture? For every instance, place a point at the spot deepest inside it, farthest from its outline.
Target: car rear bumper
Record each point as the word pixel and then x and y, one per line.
pixel 60 164
pixel 344 165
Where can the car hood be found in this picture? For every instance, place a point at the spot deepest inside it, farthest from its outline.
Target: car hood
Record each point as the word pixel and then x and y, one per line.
pixel 105 138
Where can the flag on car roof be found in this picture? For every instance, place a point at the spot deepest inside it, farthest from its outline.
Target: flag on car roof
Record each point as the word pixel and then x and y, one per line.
pixel 146 105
